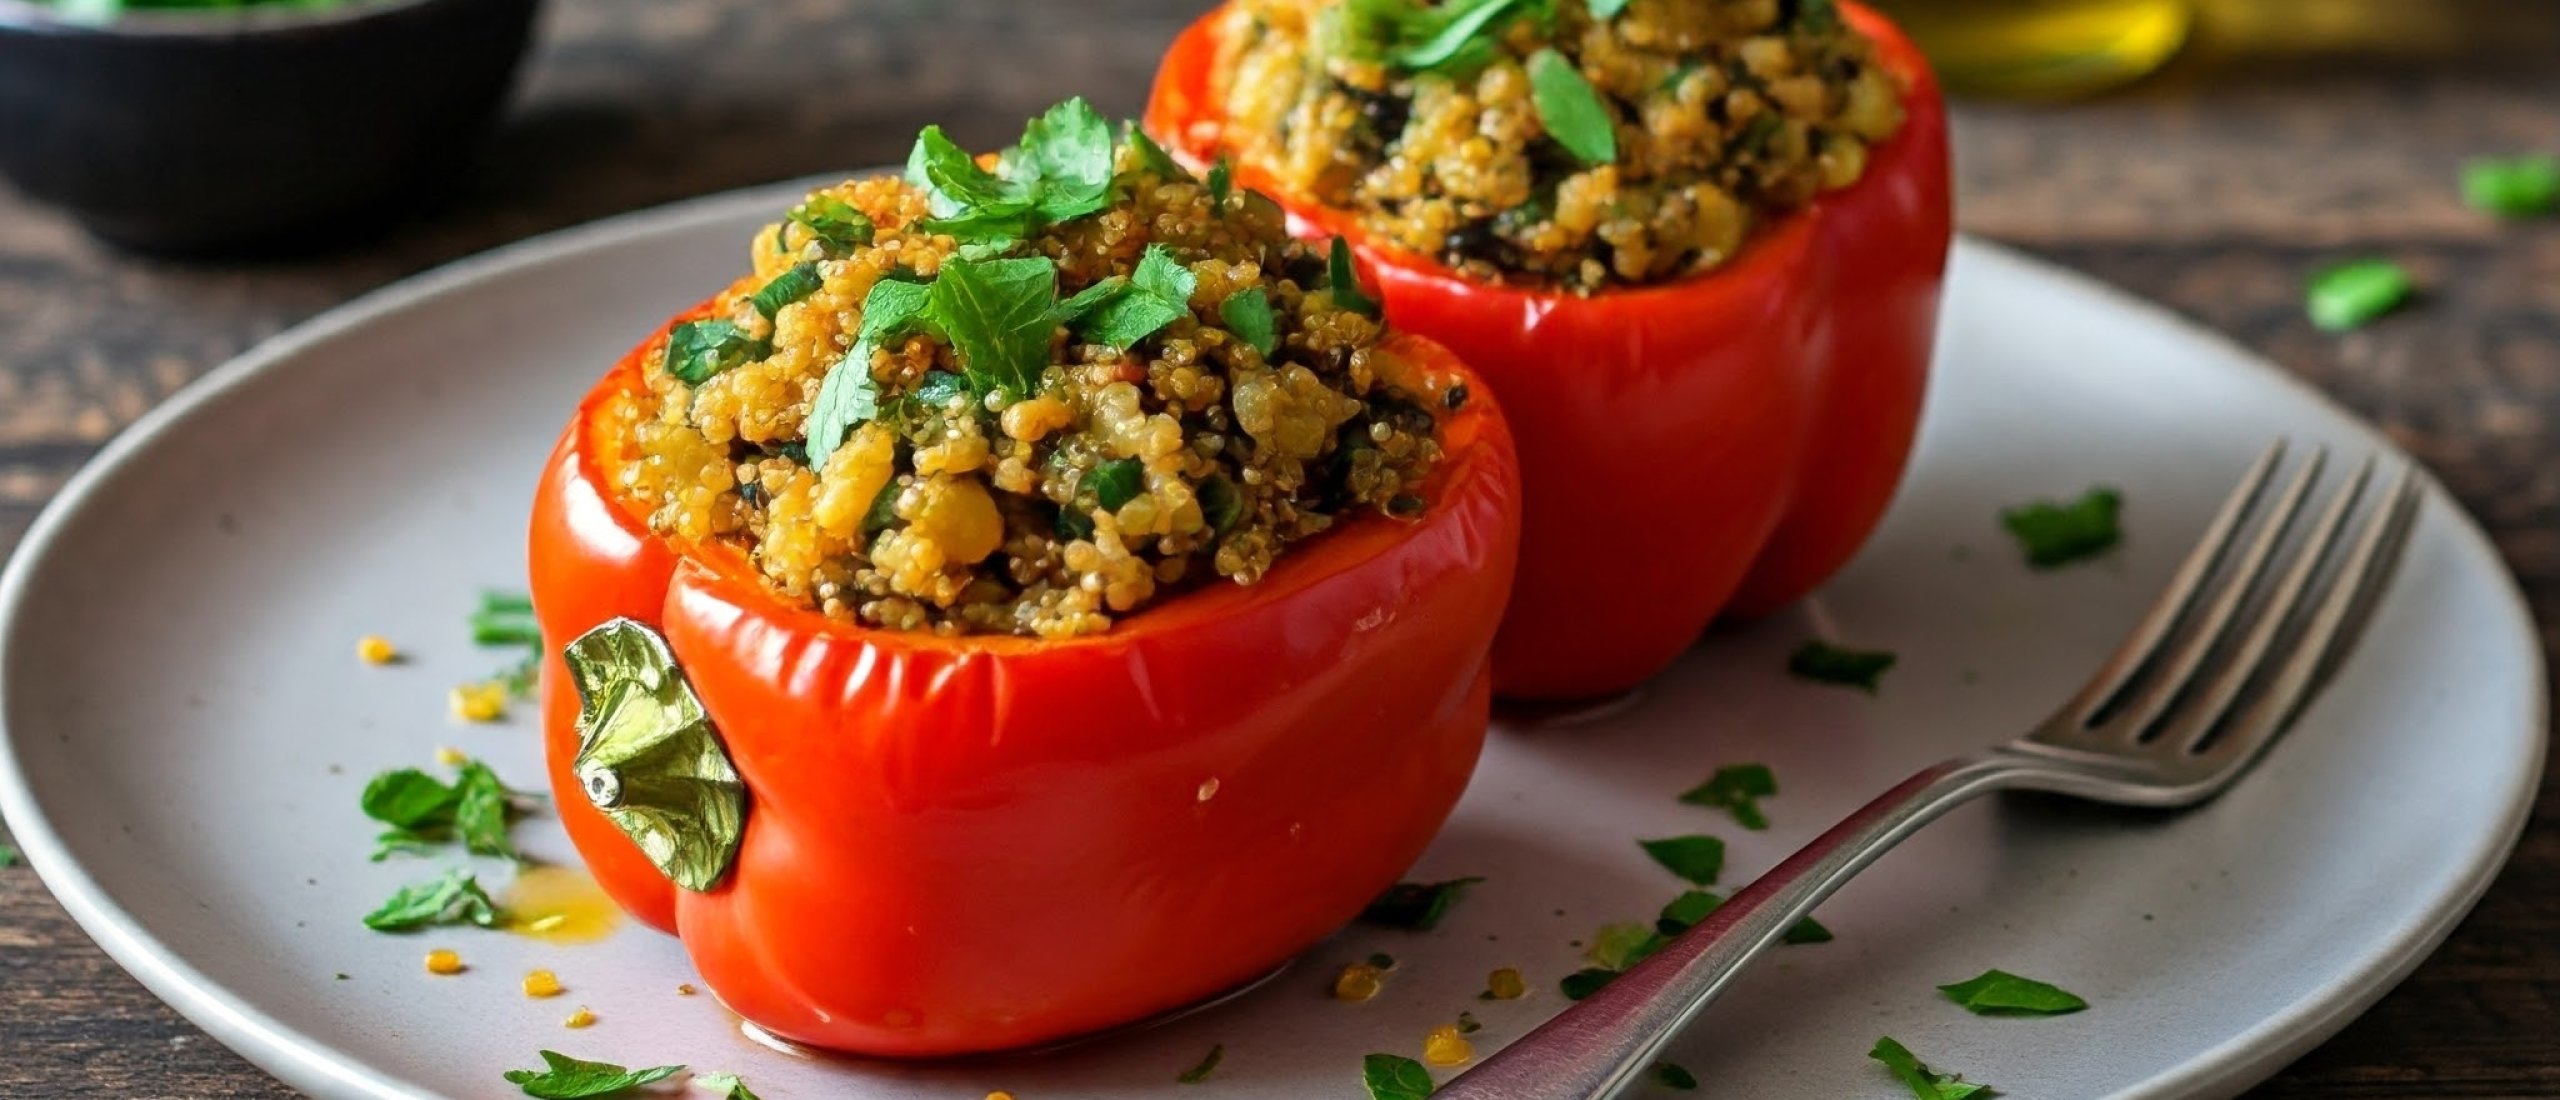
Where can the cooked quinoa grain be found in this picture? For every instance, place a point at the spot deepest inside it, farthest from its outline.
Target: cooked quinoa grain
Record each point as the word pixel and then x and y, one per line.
pixel 1023 401
pixel 1714 115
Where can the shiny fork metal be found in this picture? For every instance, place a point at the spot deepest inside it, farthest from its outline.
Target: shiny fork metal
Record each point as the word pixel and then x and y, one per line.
pixel 2211 675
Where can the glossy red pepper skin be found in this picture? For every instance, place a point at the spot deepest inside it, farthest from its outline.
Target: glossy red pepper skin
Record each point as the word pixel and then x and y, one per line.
pixel 1720 444
pixel 972 844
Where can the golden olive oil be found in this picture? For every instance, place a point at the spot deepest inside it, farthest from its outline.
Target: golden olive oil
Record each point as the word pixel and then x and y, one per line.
pixel 2042 49
pixel 559 905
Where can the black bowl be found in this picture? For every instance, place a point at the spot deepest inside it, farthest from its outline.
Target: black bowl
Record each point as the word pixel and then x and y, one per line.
pixel 258 128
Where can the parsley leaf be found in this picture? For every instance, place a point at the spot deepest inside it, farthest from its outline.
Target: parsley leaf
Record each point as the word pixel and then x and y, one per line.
pixel 1825 663
pixel 1222 183
pixel 2348 295
pixel 8 856
pixel 408 798
pixel 1737 790
pixel 2512 187
pixel 1684 912
pixel 1059 171
pixel 1344 280
pixel 1120 312
pixel 566 1078
pixel 1621 946
pixel 1068 150
pixel 1419 906
pixel 1151 156
pixel 1807 930
pixel 476 809
pixel 1208 1065
pixel 848 395
pixel 2000 993
pixel 1116 482
pixel 1696 858
pixel 2057 533
pixel 997 315
pixel 1451 37
pixel 1391 1077
pixel 1570 110
pixel 1583 983
pixel 1667 1074
pixel 834 222
pixel 696 350
pixel 1247 313
pixel 455 898
pixel 483 808
pixel 799 281
pixel 1468 1024
pixel 1924 1085
pixel 726 1086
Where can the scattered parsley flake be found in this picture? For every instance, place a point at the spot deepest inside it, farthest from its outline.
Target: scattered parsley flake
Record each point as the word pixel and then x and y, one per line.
pixel 2349 295
pixel 1622 946
pixel 1825 663
pixel 997 314
pixel 1116 482
pixel 1380 960
pixel 1604 10
pixel 423 811
pixel 1151 156
pixel 1208 1064
pixel 2000 993
pixel 1221 503
pixel 8 855
pixel 726 1086
pixel 1807 930
pixel 834 222
pixel 1583 983
pixel 2058 533
pixel 849 395
pixel 1737 789
pixel 1684 912
pixel 1419 906
pixel 1118 312
pixel 567 1078
pixel 1570 110
pixel 796 282
pixel 1700 859
pixel 1467 1024
pixel 1343 278
pixel 455 898
pixel 696 350
pixel 1393 1077
pixel 1247 313
pixel 1222 182
pixel 2512 187
pixel 1672 1076
pixel 1924 1085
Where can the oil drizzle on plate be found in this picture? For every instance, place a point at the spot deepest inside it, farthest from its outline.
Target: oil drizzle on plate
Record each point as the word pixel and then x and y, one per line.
pixel 559 905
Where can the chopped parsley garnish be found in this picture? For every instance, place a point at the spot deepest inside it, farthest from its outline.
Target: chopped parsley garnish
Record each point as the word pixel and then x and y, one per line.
pixel 566 1078
pixel 1737 790
pixel 1060 171
pixel 2512 187
pixel 1118 312
pixel 1673 1076
pixel 2350 294
pixel 726 1086
pixel 1454 37
pixel 2057 533
pixel 1419 906
pixel 997 316
pixel 1700 859
pixel 1117 482
pixel 1393 1077
pixel 1222 183
pixel 456 898
pixel 1220 503
pixel 1924 1084
pixel 1247 313
pixel 8 856
pixel 423 811
pixel 1825 663
pixel 1807 930
pixel 1570 110
pixel 848 395
pixel 506 619
pixel 696 350
pixel 2000 993
pixel 1684 912
pixel 1467 1024
pixel 1344 280
pixel 1380 960
pixel 837 225
pixel 1621 946
pixel 1583 983
pixel 1208 1065
pixel 1604 10
pixel 1151 156
pixel 795 283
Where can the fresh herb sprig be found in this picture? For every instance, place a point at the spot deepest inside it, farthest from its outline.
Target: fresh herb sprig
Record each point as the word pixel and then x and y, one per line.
pixel 1419 906
pixel 2055 533
pixel 456 897
pixel 1825 663
pixel 1924 1083
pixel 423 812
pixel 2000 993
pixel 1395 1077
pixel 566 1078
pixel 1737 789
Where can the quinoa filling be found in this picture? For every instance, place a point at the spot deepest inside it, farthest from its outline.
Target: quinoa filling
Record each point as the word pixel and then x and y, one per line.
pixel 1025 400
pixel 1573 143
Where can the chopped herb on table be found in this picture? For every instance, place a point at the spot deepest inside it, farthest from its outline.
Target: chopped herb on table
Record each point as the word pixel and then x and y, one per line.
pixel 1672 1076
pixel 455 898
pixel 1685 911
pixel 1570 110
pixel 1737 790
pixel 2512 187
pixel 1208 1065
pixel 2351 294
pixel 2000 993
pixel 505 619
pixel 1622 946
pixel 8 856
pixel 1394 1077
pixel 1585 982
pixel 1700 859
pixel 1807 930
pixel 1247 313
pixel 2058 533
pixel 1924 1084
pixel 1825 663
pixel 566 1078
pixel 1419 906
pixel 423 812
pixel 726 1086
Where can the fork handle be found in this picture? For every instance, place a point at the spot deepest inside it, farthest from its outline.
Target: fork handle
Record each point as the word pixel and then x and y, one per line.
pixel 1599 1048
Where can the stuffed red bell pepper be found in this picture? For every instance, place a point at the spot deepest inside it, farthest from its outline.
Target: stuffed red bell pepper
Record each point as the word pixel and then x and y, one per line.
pixel 1035 599
pixel 1696 245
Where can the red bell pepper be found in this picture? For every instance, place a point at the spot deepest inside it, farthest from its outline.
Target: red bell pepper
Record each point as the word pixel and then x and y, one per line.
pixel 1718 444
pixel 981 842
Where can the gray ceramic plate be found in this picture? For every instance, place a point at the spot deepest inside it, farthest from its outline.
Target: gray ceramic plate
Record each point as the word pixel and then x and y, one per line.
pixel 187 729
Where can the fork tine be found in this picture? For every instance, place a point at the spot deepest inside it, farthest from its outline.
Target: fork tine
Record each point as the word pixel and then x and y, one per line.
pixel 2369 563
pixel 2174 602
pixel 2197 719
pixel 2177 671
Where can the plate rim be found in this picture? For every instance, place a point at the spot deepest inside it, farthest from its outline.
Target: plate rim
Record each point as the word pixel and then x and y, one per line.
pixel 305 1062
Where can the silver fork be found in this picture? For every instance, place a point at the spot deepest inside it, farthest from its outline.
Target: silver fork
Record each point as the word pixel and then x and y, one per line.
pixel 2195 694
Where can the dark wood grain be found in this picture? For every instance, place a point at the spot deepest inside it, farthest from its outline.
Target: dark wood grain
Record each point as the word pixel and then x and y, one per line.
pixel 2296 132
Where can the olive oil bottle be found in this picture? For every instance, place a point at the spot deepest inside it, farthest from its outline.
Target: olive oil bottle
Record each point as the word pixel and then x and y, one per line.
pixel 2042 49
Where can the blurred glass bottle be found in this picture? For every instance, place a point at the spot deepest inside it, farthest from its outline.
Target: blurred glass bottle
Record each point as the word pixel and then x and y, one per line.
pixel 2042 49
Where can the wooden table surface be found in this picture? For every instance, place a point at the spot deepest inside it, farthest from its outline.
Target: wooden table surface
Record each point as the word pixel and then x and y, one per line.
pixel 2292 132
